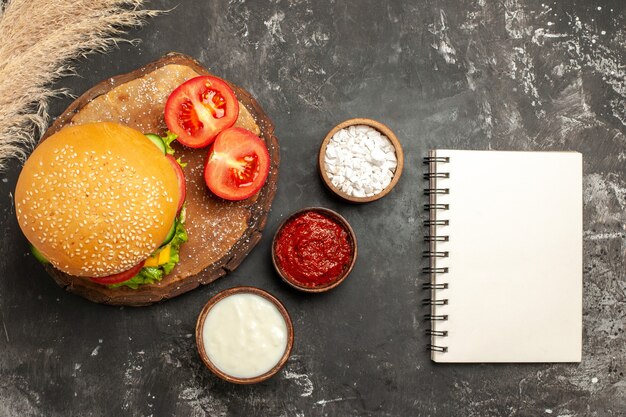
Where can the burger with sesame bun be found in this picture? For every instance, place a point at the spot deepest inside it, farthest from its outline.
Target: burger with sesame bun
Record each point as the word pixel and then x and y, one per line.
pixel 104 202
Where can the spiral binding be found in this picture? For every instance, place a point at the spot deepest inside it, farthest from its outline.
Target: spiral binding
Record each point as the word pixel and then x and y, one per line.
pixel 431 286
pixel 429 207
pixel 430 253
pixel 429 223
pixel 431 270
pixel 431 302
pixel 432 191
pixel 429 238
pixel 436 348
pixel 435 317
pixel 430 175
pixel 431 159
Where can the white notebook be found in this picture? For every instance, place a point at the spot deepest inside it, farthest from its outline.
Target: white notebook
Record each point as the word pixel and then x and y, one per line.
pixel 505 252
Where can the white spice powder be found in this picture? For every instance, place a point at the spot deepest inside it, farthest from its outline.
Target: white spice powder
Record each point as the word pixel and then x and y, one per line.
pixel 360 161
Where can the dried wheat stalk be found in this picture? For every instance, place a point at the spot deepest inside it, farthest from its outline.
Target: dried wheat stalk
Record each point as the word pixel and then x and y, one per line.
pixel 38 40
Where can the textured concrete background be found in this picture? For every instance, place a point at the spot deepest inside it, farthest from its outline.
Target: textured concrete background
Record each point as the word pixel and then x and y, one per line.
pixel 471 74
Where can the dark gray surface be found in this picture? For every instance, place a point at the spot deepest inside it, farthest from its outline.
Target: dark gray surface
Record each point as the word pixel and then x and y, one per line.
pixel 462 74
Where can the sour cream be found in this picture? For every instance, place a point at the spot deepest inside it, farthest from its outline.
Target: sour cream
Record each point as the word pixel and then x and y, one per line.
pixel 244 335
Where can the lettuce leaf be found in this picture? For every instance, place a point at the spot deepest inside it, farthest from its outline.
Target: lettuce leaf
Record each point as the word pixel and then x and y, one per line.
pixel 152 274
pixel 167 140
pixel 147 275
pixel 38 255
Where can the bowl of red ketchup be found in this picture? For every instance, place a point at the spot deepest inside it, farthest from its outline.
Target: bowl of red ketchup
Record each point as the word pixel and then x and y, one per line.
pixel 314 249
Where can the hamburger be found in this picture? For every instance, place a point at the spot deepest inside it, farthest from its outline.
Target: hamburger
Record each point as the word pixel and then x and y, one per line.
pixel 104 202
pixel 221 233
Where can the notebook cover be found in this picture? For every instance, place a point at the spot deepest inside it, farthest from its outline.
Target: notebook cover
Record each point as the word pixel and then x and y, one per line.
pixel 514 257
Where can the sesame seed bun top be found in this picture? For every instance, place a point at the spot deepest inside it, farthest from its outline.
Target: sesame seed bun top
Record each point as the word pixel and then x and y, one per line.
pixel 96 199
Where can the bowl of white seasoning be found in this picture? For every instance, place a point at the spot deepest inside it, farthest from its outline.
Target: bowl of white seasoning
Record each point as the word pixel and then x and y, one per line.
pixel 361 160
pixel 244 335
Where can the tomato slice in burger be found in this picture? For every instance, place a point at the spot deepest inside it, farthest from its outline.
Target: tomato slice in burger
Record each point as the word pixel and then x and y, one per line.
pixel 199 109
pixel 180 176
pixel 237 165
pixel 121 277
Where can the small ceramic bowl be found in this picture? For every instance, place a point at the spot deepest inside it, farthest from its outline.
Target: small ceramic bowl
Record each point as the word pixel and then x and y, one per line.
pixel 351 239
pixel 200 343
pixel 383 130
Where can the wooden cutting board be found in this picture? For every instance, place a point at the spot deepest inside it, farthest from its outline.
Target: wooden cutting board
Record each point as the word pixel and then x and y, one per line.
pixel 221 233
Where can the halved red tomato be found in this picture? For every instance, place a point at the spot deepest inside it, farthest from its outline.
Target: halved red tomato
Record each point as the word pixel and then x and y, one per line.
pixel 121 277
pixel 180 176
pixel 199 109
pixel 237 165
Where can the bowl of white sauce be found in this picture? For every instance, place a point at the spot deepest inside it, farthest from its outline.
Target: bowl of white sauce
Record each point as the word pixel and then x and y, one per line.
pixel 244 335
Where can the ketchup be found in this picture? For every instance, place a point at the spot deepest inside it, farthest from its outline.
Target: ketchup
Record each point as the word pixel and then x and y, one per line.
pixel 313 249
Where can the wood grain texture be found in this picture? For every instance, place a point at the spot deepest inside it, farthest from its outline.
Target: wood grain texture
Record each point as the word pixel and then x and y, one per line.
pixel 221 233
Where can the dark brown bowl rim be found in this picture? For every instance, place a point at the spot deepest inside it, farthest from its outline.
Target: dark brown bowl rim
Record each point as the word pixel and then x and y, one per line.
pixel 382 128
pixel 352 236
pixel 200 341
